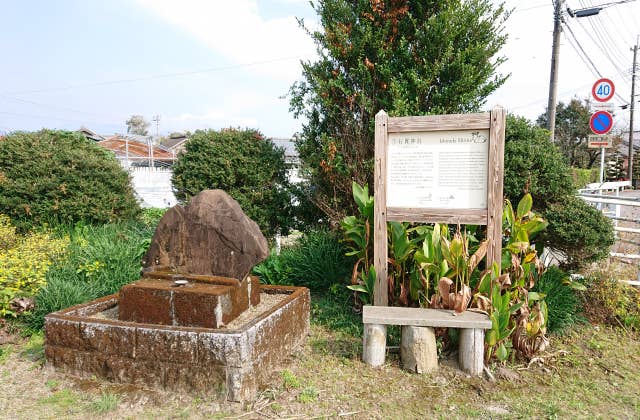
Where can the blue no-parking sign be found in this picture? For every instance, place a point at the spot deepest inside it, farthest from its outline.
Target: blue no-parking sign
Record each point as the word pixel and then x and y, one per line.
pixel 601 122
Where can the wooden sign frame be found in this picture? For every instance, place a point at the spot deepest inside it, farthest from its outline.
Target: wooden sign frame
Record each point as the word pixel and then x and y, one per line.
pixel 493 121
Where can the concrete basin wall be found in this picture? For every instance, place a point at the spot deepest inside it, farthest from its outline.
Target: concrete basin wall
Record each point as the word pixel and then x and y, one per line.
pixel 201 360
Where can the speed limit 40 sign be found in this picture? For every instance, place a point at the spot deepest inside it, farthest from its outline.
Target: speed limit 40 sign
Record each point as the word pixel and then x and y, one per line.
pixel 603 90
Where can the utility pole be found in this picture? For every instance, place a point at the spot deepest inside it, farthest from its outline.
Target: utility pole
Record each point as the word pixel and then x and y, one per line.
pixel 553 78
pixel 156 119
pixel 631 109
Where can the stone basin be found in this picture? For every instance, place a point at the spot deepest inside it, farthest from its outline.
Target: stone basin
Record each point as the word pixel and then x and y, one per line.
pixel 235 360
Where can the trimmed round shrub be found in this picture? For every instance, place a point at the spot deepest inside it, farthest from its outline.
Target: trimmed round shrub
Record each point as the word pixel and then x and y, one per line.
pixel 533 163
pixel 61 177
pixel 249 167
pixel 581 232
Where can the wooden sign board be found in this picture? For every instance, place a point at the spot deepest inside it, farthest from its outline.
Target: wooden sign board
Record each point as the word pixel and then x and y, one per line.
pixel 437 169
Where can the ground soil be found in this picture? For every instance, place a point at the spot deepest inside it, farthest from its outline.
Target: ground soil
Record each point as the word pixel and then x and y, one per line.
pixel 589 372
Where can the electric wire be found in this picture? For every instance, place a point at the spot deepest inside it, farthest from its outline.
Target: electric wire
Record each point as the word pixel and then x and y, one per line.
pixel 153 77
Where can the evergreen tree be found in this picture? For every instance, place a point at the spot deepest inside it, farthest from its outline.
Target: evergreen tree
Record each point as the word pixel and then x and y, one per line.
pixel 406 57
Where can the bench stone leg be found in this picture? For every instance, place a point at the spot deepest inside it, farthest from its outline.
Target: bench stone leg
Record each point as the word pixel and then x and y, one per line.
pixel 374 344
pixel 471 350
pixel 418 350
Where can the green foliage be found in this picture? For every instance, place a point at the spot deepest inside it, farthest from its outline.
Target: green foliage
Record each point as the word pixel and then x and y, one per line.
pixel 308 395
pixel 244 164
pixel 572 131
pixel 582 177
pixel 151 216
pixel 289 380
pixel 533 164
pixel 408 58
pixel 24 262
pixel 581 232
pixel 316 260
pixel 420 256
pixel 607 300
pixel 34 349
pixel 562 299
pixel 107 401
pixel 59 176
pixel 334 310
pixel 100 260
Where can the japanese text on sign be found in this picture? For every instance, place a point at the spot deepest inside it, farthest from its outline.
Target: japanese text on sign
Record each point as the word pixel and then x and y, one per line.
pixel 441 169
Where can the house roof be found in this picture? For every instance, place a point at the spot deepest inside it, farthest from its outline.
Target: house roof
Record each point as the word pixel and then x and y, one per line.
pixel 288 145
pixel 90 134
pixel 122 146
pixel 174 142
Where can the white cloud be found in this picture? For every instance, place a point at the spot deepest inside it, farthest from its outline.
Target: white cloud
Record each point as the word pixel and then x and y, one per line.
pixel 236 30
pixel 238 109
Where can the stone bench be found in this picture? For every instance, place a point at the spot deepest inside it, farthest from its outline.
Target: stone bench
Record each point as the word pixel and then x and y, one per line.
pixel 418 350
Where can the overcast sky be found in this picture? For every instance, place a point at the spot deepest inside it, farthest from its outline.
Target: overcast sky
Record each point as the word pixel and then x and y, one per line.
pixel 213 64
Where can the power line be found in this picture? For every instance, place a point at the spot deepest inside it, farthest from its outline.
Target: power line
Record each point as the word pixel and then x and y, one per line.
pixel 154 77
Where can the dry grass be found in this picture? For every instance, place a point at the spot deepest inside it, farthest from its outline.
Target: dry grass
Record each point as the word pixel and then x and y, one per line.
pixel 589 372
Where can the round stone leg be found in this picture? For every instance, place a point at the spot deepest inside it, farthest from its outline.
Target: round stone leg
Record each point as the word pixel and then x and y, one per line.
pixel 418 350
pixel 374 344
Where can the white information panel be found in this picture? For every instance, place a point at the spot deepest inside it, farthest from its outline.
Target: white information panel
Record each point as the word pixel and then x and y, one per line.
pixel 438 169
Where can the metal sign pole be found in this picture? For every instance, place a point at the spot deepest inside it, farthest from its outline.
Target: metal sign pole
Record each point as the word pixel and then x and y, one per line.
pixel 602 165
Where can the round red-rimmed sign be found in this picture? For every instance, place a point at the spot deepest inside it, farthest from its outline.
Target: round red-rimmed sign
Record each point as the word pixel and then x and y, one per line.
pixel 603 90
pixel 601 122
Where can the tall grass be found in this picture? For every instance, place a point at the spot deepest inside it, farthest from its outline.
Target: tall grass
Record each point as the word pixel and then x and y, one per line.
pixel 563 302
pixel 101 259
pixel 316 261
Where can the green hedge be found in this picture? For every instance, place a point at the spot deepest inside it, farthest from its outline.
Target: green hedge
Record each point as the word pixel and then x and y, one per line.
pixel 61 177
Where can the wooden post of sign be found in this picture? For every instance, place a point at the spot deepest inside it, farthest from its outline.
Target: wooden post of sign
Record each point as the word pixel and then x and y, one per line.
pixel 375 335
pixel 380 295
pixel 495 187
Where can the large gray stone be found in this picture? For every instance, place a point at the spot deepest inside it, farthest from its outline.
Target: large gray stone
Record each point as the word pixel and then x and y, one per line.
pixel 210 236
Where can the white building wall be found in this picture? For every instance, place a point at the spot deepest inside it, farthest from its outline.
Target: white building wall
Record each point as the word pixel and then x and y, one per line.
pixel 153 187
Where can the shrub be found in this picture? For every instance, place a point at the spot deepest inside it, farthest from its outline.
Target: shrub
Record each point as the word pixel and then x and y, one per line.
pixel 316 261
pixel 581 232
pixel 582 177
pixel 563 303
pixel 24 262
pixel 609 301
pixel 59 176
pixel 532 163
pixel 101 259
pixel 151 216
pixel 243 163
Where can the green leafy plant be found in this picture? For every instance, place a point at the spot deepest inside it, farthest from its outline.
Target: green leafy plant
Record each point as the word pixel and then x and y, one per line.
pixel 289 380
pixel 24 263
pixel 518 315
pixel 99 261
pixel 420 257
